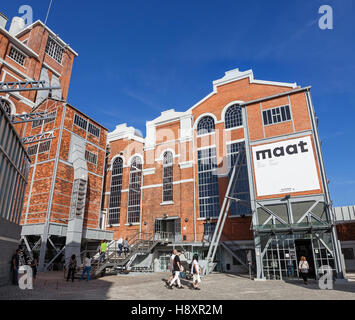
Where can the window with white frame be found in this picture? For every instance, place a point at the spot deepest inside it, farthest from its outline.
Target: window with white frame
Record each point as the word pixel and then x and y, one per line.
pixel 94 130
pixel 276 115
pixel 91 157
pixel 32 150
pixel 208 192
pixel 134 193
pixel 17 55
pixel 54 50
pixel 44 146
pixel 80 122
pixel 241 190
pixel 51 117
pixel 233 117
pixel 168 176
pixel 115 192
pixel 205 125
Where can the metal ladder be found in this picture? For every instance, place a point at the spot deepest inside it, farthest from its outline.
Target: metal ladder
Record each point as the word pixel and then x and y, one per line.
pixel 224 211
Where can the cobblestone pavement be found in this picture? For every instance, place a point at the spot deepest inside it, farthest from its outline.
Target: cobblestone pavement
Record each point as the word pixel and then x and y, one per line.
pixel 50 286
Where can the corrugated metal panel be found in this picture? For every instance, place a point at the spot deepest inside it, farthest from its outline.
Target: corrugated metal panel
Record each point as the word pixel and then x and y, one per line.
pixel 14 167
pixel 344 213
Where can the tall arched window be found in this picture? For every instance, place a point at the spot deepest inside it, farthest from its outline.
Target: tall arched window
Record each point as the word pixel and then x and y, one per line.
pixel 233 117
pixel 6 106
pixel 115 192
pixel 134 196
pixel 205 125
pixel 168 176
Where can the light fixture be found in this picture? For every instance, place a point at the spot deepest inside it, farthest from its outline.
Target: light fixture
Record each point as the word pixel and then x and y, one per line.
pixel 186 219
pixel 145 223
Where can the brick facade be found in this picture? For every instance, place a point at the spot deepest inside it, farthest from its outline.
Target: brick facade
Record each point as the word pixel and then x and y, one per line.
pixel 43 177
pixel 177 132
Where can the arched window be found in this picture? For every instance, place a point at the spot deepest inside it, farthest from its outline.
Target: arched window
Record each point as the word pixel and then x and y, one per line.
pixel 115 192
pixel 6 106
pixel 168 176
pixel 233 117
pixel 134 196
pixel 205 125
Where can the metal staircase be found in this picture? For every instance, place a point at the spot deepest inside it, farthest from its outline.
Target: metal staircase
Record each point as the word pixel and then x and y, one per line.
pixel 228 198
pixel 140 244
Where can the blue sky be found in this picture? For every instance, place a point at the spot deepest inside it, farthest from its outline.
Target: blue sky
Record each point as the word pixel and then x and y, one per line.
pixel 138 58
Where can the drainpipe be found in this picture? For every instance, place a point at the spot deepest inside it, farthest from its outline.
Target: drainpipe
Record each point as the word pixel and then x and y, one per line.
pixel 193 172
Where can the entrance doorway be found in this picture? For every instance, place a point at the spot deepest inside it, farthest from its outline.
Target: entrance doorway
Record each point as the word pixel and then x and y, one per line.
pixel 304 248
pixel 168 229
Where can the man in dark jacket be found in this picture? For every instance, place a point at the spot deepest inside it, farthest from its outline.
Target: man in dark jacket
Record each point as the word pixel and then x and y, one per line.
pixel 177 268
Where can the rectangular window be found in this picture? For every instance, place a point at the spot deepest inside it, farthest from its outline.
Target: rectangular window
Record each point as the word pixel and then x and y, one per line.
pixel 17 55
pixel 44 147
pixel 94 130
pixel 134 194
pixel 209 228
pixel 52 116
pixel 208 192
pixel 276 115
pixel 80 122
pixel 36 123
pixel 168 183
pixel 32 150
pixel 91 157
pixel 241 190
pixel 54 50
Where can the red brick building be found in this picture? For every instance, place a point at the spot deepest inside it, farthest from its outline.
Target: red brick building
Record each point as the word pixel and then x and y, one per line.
pixel 173 182
pixel 72 146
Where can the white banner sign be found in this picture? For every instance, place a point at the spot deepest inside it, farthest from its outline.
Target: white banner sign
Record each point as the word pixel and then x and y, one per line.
pixel 285 167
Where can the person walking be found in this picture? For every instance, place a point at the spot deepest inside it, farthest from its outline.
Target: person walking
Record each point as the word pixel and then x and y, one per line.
pixel 72 268
pixel 87 267
pixel 15 264
pixel 177 268
pixel 304 269
pixel 103 248
pixel 120 246
pixel 125 247
pixel 195 271
pixel 171 266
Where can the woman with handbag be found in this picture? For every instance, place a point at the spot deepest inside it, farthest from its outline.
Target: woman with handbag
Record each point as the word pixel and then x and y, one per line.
pixel 304 269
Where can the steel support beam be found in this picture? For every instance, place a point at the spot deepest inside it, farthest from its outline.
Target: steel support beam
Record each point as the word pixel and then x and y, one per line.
pixel 30 117
pixel 257 243
pixel 39 137
pixel 25 86
pixel 337 249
